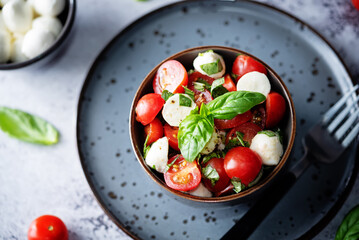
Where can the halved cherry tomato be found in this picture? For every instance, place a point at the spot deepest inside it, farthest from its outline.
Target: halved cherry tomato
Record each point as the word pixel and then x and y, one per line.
pixel 226 191
pixel 229 84
pixel 356 4
pixel 171 134
pixel 148 107
pixel 182 175
pixel 154 131
pixel 234 122
pixel 200 96
pixel 47 227
pixel 275 109
pixel 222 183
pixel 248 129
pixel 193 77
pixel 259 115
pixel 242 163
pixel 171 76
pixel 245 64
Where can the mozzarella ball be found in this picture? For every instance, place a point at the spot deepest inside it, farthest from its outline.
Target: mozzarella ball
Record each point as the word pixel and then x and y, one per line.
pixel 47 23
pixel 157 156
pixel 37 41
pixel 16 54
pixel 173 113
pixel 3 2
pixel 269 148
pixel 202 62
pixel 2 23
pixel 254 82
pixel 200 191
pixel 5 46
pixel 49 7
pixel 17 15
pixel 213 142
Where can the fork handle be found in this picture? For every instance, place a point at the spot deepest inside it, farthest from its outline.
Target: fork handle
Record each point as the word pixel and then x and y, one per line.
pixel 256 214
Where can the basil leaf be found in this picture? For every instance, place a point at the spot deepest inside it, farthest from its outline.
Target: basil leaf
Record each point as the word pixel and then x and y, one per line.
pixel 217 88
pixel 212 155
pixel 238 185
pixel 204 82
pixel 269 133
pixel 256 180
pixel 349 228
pixel 166 94
pixel 231 104
pixel 210 173
pixel 193 134
pixel 168 166
pixel 234 76
pixel 212 68
pixel 184 101
pixel 146 148
pixel 190 72
pixel 240 139
pixel 199 86
pixel 189 92
pixel 27 127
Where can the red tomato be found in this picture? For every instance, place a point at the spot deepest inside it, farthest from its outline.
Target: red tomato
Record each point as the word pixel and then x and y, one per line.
pixel 193 77
pixel 245 64
pixel 154 131
pixel 228 190
pixel 242 163
pixel 356 4
pixel 171 134
pixel 275 109
pixel 229 84
pixel 222 183
pixel 200 96
pixel 47 227
pixel 259 115
pixel 148 107
pixel 171 76
pixel 182 175
pixel 248 129
pixel 234 122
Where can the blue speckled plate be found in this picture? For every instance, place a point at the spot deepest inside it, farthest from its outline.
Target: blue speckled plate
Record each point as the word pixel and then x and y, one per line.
pixel 313 72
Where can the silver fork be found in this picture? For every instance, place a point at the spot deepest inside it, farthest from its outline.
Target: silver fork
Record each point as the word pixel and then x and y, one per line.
pixel 325 142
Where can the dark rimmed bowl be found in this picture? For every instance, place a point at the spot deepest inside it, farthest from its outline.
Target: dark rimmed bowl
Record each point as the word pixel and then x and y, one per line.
pixel 287 125
pixel 66 17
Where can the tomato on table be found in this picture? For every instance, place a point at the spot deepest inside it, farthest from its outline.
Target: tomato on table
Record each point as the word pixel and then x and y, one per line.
pixel 154 131
pixel 248 129
pixel 223 181
pixel 182 175
pixel 171 76
pixel 47 227
pixel 148 107
pixel 244 64
pixel 275 109
pixel 242 163
pixel 234 122
pixel 229 84
pixel 171 134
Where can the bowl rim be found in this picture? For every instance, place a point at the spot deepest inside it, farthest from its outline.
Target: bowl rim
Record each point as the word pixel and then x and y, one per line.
pixel 59 41
pixel 226 198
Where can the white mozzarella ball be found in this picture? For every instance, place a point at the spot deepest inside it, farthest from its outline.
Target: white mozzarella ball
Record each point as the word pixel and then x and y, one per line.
pixel 17 15
pixel 48 23
pixel 16 53
pixel 3 2
pixel 173 113
pixel 210 57
pixel 254 82
pixel 269 148
pixel 157 156
pixel 37 41
pixel 200 191
pixel 2 23
pixel 5 46
pixel 213 142
pixel 49 7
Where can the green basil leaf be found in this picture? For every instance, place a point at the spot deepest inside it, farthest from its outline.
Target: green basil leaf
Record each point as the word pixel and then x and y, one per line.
pixel 189 92
pixel 27 127
pixel 231 104
pixel 256 180
pixel 184 101
pixel 199 86
pixel 168 166
pixel 193 134
pixel 204 82
pixel 234 76
pixel 269 133
pixel 217 88
pixel 166 94
pixel 240 139
pixel 238 185
pixel 210 173
pixel 146 148
pixel 212 68
pixel 349 228
pixel 190 72
pixel 212 155
pixel 231 144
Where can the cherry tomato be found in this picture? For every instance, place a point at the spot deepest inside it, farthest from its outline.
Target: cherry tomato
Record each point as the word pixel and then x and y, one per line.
pixel 259 115
pixel 226 191
pixel 222 183
pixel 171 134
pixel 356 4
pixel 248 129
pixel 234 122
pixel 193 77
pixel 154 131
pixel 229 84
pixel 171 76
pixel 148 107
pixel 200 96
pixel 182 175
pixel 245 64
pixel 47 227
pixel 275 109
pixel 242 163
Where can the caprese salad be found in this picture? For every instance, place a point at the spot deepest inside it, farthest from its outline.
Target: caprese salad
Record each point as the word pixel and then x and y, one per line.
pixel 212 132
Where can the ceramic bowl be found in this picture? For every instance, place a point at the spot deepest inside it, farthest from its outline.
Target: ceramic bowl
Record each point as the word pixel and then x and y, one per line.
pixel 66 17
pixel 287 125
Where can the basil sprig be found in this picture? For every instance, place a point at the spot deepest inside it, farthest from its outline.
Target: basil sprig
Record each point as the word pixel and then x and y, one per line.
pixel 27 127
pixel 349 228
pixel 210 173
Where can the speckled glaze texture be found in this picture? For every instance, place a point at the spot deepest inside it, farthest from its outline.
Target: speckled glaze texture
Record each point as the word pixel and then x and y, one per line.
pixel 311 70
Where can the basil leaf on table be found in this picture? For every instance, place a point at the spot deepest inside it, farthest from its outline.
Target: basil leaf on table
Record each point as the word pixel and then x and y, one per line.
pixel 26 127
pixel 230 104
pixel 349 228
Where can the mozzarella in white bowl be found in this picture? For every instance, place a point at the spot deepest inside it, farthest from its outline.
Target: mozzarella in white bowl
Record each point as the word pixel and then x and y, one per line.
pixel 5 46
pixel 209 57
pixel 268 147
pixel 173 113
pixel 49 7
pixel 254 82
pixel 48 23
pixel 16 53
pixel 157 156
pixel 37 41
pixel 17 15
